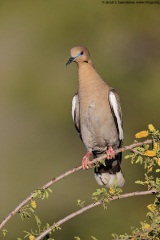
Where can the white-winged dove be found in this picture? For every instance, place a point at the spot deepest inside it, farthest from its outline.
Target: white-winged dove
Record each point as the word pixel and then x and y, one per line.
pixel 97 116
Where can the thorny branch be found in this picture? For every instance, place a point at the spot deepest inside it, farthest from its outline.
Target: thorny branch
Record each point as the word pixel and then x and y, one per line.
pixel 60 177
pixel 92 205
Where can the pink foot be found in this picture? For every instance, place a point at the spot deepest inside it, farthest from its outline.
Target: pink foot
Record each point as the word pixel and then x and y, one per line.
pixel 85 161
pixel 110 153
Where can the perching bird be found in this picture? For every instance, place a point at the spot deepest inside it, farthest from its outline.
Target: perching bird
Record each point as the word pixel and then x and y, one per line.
pixel 97 116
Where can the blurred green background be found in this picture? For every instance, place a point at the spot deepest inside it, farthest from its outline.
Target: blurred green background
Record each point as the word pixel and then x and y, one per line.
pixel 38 140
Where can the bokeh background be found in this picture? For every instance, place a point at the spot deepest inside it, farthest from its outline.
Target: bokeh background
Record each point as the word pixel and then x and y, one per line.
pixel 37 137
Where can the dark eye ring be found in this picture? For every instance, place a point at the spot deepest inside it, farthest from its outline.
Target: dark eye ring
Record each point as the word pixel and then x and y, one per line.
pixel 82 53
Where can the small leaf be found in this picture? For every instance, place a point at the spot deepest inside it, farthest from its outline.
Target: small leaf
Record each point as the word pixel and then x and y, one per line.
pixel 38 221
pixel 4 231
pixel 47 194
pixel 27 234
pixel 80 203
pixel 50 190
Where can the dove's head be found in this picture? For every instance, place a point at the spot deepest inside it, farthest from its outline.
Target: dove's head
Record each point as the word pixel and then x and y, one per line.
pixel 79 54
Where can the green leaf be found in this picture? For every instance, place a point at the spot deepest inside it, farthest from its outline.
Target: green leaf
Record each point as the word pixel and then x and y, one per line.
pixel 4 232
pixel 47 194
pixel 80 203
pixel 140 182
pixel 38 221
pixel 49 189
pixel 27 234
pixel 99 192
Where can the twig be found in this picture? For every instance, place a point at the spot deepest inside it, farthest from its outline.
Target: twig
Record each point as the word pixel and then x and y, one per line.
pixel 60 177
pixel 92 205
pixel 148 230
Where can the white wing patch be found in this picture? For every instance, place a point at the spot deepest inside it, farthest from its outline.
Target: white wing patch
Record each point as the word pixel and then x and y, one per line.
pixel 114 104
pixel 73 107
